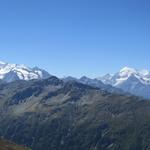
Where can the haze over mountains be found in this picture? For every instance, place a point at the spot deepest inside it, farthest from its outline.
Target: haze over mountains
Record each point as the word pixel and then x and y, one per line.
pixel 129 80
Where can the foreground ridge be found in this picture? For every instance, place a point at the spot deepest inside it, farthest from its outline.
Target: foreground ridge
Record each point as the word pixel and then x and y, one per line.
pixel 53 114
pixel 7 145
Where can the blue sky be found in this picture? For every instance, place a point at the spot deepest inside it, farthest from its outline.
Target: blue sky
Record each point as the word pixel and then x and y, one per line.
pixel 76 37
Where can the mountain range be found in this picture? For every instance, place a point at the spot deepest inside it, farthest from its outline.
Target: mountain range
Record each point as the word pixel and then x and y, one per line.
pixel 128 80
pixel 43 112
pixel 50 114
pixel 13 72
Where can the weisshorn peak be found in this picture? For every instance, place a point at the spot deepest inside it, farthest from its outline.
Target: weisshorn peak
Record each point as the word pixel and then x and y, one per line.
pixel 130 80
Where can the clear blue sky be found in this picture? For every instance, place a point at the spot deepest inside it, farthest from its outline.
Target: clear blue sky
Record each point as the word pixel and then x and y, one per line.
pixel 76 37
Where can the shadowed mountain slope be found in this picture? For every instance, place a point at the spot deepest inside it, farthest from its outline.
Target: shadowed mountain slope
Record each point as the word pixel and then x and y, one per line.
pixel 52 114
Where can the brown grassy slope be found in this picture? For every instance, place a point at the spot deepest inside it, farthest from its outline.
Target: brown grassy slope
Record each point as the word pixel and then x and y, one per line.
pixel 7 145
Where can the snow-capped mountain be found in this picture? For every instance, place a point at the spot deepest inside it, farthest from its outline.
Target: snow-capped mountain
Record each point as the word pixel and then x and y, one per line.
pixel 13 72
pixel 130 80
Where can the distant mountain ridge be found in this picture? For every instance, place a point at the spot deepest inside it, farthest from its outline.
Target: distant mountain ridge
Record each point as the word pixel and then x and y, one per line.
pixel 13 72
pixel 94 83
pixel 130 80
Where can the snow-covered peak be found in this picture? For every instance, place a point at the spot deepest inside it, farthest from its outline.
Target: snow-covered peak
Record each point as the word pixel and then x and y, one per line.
pixel 128 70
pixel 124 74
pixel 145 72
pixel 131 71
pixel 12 72
pixel 131 80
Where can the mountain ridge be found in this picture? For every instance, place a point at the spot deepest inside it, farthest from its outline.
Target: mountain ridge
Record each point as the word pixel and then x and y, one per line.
pixel 130 80
pixel 13 72
pixel 53 114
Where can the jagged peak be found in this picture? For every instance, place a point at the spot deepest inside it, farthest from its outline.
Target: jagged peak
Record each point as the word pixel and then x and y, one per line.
pixel 21 71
